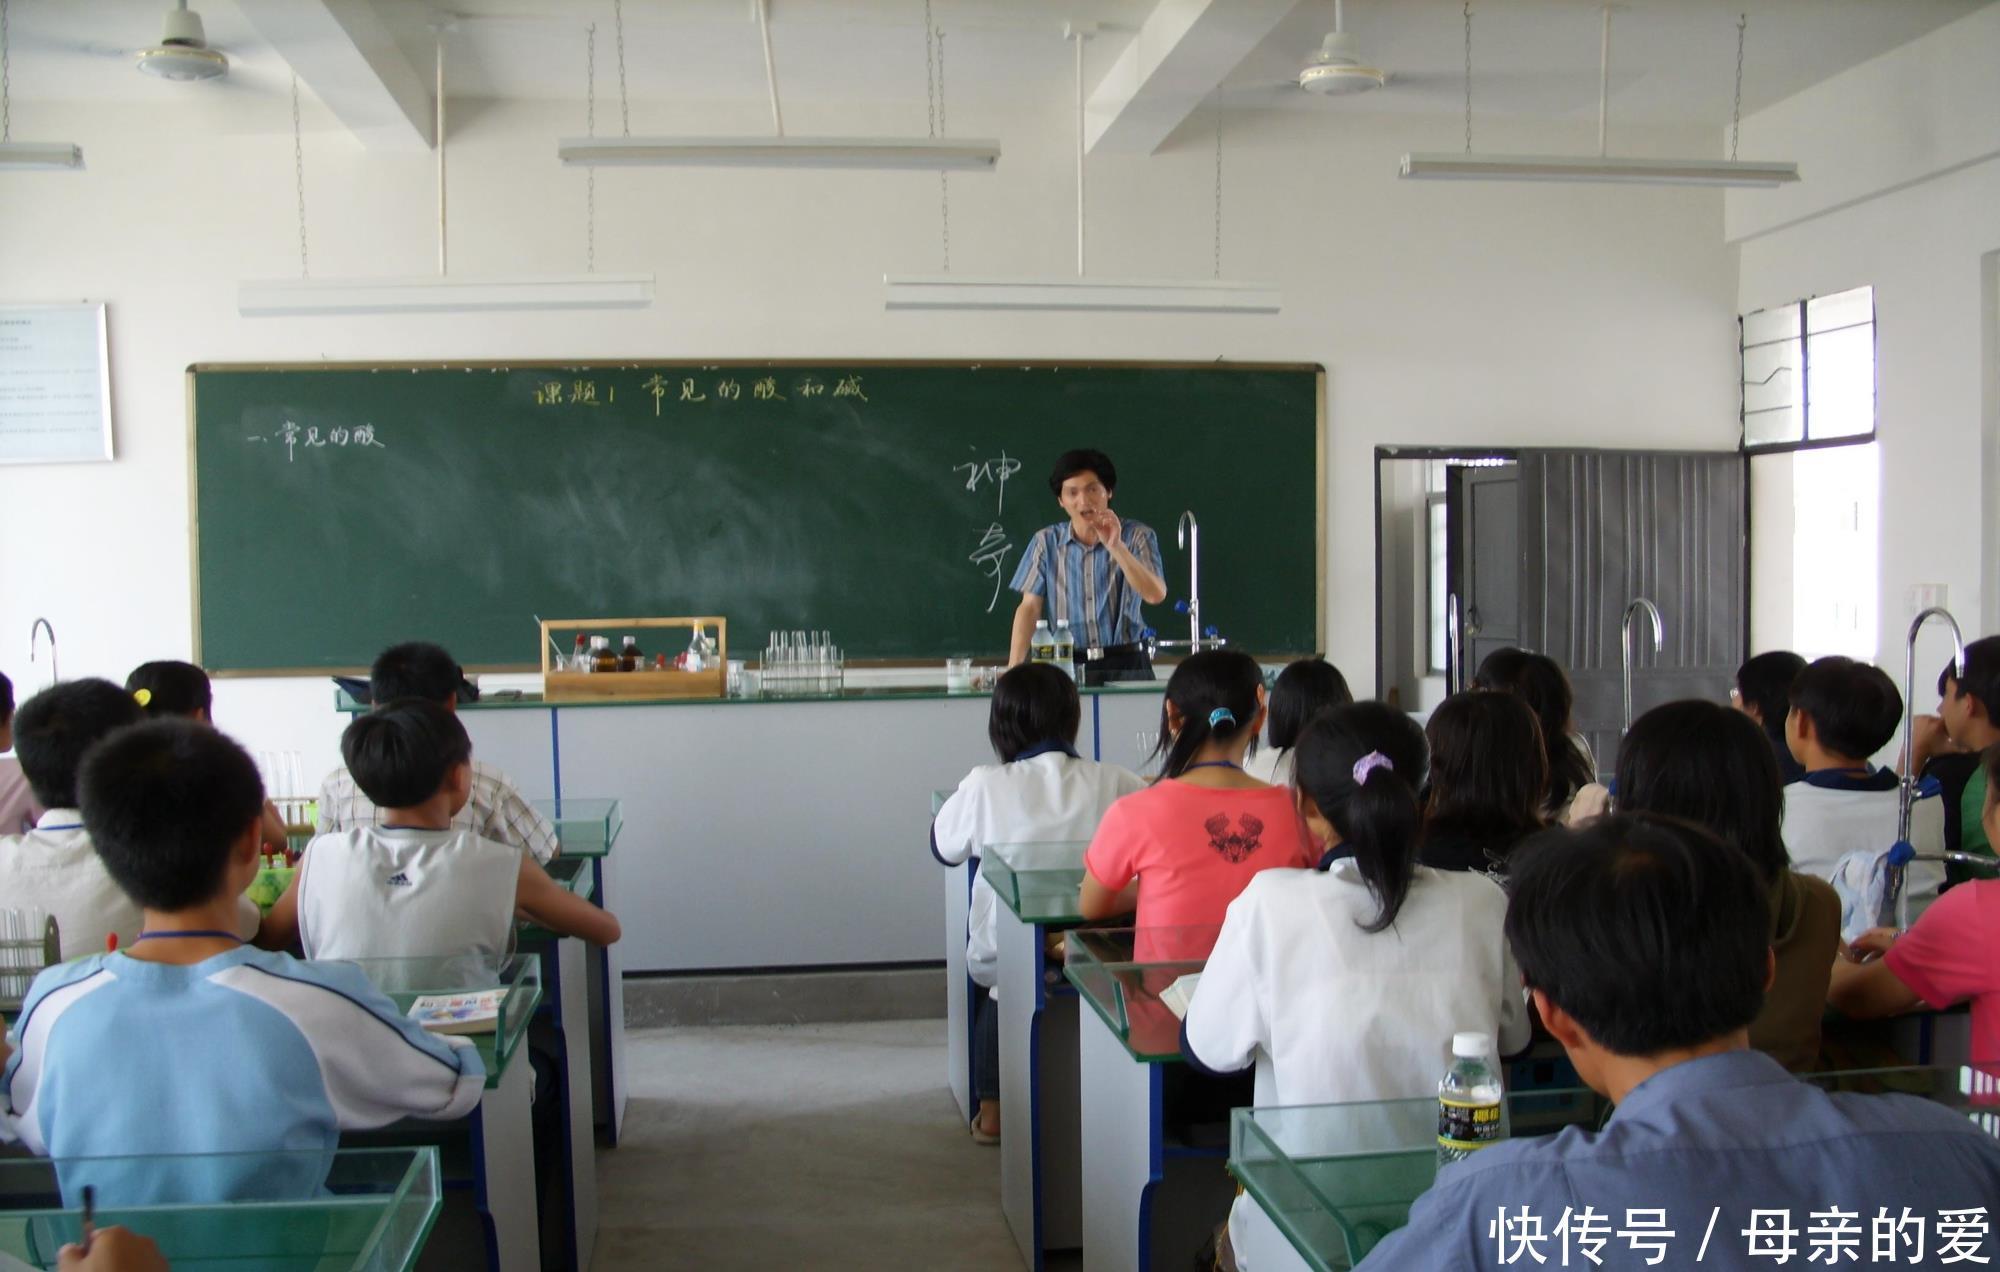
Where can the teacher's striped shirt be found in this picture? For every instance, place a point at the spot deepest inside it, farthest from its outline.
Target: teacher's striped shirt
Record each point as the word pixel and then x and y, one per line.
pixel 1084 585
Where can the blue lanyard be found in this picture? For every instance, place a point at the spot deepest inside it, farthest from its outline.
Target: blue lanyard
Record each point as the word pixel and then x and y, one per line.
pixel 1216 764
pixel 161 936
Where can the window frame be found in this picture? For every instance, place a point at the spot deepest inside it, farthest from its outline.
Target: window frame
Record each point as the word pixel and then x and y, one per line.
pixel 1806 439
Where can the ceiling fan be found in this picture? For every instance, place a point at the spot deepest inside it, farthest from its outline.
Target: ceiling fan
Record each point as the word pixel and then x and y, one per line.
pixel 183 52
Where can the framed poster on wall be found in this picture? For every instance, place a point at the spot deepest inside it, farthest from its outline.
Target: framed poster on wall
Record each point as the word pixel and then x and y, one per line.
pixel 55 384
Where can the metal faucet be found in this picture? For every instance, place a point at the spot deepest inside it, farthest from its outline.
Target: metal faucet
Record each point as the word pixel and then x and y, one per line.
pixel 1895 906
pixel 1188 536
pixel 1638 604
pixel 34 639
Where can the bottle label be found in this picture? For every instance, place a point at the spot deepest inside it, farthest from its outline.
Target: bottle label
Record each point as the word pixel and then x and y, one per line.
pixel 1465 1126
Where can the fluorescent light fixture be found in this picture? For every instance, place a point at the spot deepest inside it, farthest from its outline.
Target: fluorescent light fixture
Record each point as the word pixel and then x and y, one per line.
pixel 298 296
pixel 21 156
pixel 929 153
pixel 948 292
pixel 1707 172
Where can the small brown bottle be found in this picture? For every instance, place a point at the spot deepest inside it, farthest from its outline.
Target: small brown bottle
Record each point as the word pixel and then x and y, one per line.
pixel 602 659
pixel 629 658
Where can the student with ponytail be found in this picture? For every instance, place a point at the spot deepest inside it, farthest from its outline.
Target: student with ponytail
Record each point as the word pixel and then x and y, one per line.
pixel 1347 983
pixel 1193 839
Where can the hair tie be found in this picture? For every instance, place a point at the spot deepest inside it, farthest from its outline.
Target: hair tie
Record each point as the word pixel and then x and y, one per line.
pixel 1217 716
pixel 144 697
pixel 1368 764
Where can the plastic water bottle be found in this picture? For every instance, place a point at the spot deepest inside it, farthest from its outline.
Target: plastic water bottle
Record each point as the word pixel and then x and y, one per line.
pixel 1042 645
pixel 1065 645
pixel 1471 1101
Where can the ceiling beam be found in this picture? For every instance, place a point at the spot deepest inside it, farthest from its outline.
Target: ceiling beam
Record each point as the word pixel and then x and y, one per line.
pixel 344 53
pixel 1182 52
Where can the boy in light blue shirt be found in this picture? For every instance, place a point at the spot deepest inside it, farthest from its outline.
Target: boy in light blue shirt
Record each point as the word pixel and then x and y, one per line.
pixel 191 1041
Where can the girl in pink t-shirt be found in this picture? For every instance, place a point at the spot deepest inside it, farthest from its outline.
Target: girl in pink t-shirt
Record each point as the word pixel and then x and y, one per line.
pixel 1179 851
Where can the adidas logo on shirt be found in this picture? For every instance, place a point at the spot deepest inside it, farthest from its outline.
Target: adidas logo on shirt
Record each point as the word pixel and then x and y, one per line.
pixel 399 880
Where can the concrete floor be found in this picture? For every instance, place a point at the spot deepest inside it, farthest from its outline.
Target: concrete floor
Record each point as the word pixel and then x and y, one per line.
pixel 823 1146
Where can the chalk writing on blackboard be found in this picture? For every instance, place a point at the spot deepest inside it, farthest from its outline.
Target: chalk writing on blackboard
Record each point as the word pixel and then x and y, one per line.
pixel 292 436
pixel 698 389
pixel 994 543
pixel 995 471
pixel 991 555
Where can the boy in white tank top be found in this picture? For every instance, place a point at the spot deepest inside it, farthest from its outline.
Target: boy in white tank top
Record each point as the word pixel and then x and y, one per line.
pixel 414 885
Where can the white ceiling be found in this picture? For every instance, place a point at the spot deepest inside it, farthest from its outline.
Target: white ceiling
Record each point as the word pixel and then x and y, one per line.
pixel 1673 61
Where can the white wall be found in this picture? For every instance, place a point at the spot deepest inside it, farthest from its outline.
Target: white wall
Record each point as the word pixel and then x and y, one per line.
pixel 1900 191
pixel 1445 313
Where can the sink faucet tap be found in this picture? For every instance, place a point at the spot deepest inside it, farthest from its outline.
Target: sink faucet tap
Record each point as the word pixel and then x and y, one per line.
pixel 1188 536
pixel 34 640
pixel 1639 604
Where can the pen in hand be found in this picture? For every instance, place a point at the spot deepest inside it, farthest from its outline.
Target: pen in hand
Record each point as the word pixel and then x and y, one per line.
pixel 89 1217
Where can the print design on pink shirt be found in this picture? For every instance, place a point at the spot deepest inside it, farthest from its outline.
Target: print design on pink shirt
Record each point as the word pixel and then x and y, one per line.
pixel 1235 846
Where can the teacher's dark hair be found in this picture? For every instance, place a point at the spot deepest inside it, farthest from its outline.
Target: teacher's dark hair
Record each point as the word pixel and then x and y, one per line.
pixel 1303 690
pixel 1033 703
pixel 1539 681
pixel 1083 461
pixel 1377 819
pixel 1705 763
pixel 1647 930
pixel 1204 683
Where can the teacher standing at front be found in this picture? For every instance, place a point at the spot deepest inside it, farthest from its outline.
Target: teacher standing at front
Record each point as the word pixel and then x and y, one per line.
pixel 1092 570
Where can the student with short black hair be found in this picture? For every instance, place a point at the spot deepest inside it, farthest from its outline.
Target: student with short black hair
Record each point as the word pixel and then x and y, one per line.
pixel 1091 570
pixel 18 809
pixel 1303 690
pixel 1763 691
pixel 1844 813
pixel 1540 682
pixel 495 809
pixel 1707 764
pixel 1488 776
pixel 190 1042
pixel 1179 851
pixel 419 884
pixel 1041 791
pixel 1347 983
pixel 1949 956
pixel 168 688
pixel 52 867
pixel 1949 743
pixel 1644 944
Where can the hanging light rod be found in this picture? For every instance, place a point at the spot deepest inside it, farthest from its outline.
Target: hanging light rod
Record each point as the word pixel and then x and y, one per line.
pixel 29 156
pixel 934 154
pixel 1105 295
pixel 1447 166
pixel 298 297
pixel 1601 167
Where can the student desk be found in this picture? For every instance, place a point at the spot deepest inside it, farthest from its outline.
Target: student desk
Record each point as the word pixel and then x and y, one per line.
pixel 1040 1149
pixel 1334 1179
pixel 500 1167
pixel 373 1210
pixel 1150 1198
pixel 959 990
pixel 587 829
pixel 725 800
pixel 566 1010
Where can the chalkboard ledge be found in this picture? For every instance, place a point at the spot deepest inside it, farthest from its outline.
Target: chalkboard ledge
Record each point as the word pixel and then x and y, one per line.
pixel 508 701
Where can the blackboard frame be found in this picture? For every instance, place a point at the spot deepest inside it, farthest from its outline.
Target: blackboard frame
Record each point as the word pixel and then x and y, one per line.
pixel 1317 370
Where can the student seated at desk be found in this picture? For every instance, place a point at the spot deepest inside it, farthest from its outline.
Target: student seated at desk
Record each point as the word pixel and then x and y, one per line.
pixel 1488 772
pixel 190 1041
pixel 1040 791
pixel 18 810
pixel 1645 944
pixel 53 867
pixel 1763 692
pixel 1842 815
pixel 1949 743
pixel 1706 764
pixel 1347 983
pixel 1539 681
pixel 420 885
pixel 1950 955
pixel 495 809
pixel 1303 690
pixel 168 688
pixel 1179 851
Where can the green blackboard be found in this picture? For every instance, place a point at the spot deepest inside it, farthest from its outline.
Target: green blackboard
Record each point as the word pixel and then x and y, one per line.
pixel 342 509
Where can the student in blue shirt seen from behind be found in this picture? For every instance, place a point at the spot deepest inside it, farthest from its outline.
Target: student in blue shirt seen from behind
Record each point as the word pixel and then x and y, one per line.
pixel 1645 943
pixel 191 1041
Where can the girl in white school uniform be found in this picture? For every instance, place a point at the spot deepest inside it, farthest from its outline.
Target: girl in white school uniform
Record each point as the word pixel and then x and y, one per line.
pixel 1303 690
pixel 1040 791
pixel 1347 983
